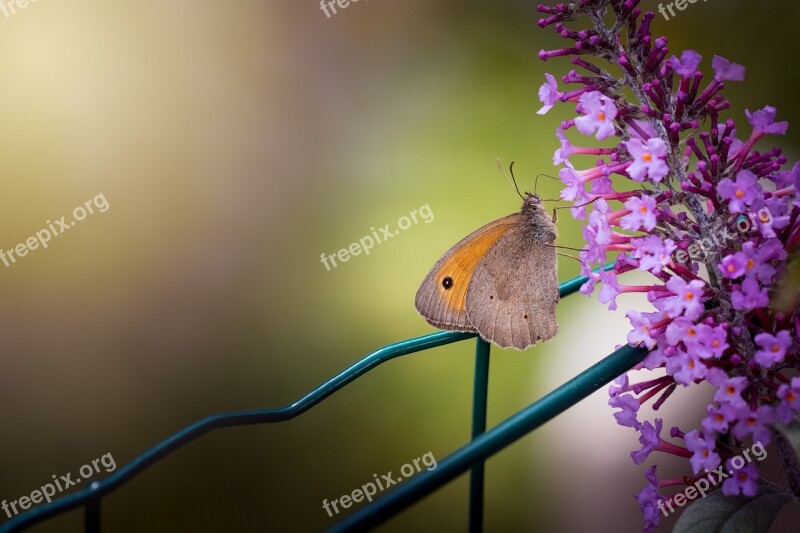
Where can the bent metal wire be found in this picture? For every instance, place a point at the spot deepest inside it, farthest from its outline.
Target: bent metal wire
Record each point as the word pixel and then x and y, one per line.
pixel 471 456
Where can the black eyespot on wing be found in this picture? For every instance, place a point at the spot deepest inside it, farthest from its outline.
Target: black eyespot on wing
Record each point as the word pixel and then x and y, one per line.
pixel 447 282
pixel 525 317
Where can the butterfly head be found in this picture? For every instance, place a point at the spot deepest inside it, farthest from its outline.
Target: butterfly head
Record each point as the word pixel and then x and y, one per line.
pixel 532 200
pixel 537 220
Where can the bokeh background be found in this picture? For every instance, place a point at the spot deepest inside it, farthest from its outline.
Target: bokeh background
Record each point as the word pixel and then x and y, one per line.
pixel 237 141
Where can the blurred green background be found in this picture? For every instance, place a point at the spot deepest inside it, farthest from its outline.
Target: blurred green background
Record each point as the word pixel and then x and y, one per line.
pixel 235 142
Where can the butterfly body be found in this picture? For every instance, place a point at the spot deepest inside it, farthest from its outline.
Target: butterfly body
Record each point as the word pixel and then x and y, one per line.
pixel 500 281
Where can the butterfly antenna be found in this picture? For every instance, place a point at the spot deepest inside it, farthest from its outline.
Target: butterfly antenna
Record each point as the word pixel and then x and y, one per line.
pixel 512 181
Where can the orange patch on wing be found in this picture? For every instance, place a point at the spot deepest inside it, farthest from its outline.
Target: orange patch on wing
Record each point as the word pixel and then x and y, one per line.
pixel 461 265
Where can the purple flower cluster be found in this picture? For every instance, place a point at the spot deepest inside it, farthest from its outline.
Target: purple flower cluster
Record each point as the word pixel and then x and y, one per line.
pixel 677 172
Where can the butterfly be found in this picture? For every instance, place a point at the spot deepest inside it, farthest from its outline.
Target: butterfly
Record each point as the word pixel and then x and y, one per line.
pixel 501 281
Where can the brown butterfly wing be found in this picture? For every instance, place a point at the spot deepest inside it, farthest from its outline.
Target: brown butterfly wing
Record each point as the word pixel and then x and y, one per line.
pixel 443 307
pixel 513 292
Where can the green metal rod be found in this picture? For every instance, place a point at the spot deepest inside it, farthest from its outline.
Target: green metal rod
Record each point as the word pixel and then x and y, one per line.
pixel 479 402
pixel 494 440
pixel 91 496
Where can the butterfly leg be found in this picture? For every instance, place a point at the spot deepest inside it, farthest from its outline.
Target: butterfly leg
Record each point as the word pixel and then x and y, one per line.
pixel 570 256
